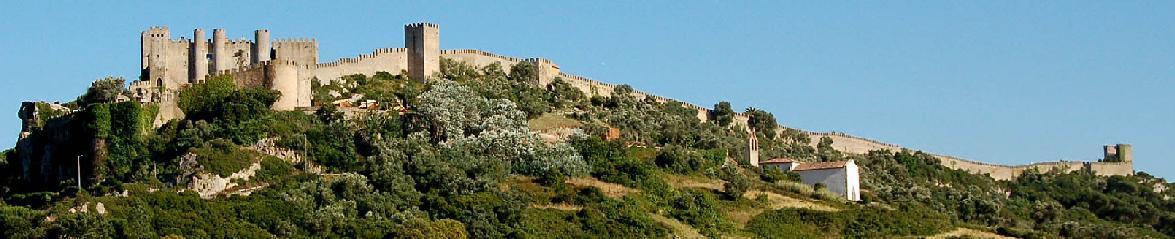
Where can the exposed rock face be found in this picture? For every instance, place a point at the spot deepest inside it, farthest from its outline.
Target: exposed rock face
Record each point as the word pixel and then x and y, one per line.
pixel 268 146
pixel 207 184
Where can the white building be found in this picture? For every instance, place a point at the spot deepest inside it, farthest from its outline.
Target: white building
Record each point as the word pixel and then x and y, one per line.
pixel 840 177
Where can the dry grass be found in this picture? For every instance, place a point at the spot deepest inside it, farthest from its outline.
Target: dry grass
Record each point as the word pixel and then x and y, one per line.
pixel 549 121
pixel 680 230
pixel 609 189
pixel 774 201
pixel 682 181
pixel 968 233
pixel 777 201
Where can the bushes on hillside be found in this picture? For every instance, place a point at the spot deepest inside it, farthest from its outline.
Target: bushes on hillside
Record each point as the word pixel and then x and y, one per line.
pixel 223 158
pixel 867 222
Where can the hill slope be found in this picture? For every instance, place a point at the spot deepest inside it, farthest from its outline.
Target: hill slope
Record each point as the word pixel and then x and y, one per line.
pixel 488 153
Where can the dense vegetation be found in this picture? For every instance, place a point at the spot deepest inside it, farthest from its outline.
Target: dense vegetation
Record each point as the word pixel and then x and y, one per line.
pixel 460 157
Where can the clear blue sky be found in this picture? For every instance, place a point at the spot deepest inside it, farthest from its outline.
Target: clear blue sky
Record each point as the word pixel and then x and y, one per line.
pixel 1007 82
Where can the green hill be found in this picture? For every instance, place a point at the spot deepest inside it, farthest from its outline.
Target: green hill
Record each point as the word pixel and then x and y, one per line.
pixel 488 153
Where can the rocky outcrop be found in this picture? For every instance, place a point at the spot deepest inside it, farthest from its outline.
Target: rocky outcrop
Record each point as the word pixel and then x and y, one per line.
pixel 208 184
pixel 268 146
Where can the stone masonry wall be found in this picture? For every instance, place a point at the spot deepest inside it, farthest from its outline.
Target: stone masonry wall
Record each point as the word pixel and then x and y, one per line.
pixel 391 60
pixel 857 145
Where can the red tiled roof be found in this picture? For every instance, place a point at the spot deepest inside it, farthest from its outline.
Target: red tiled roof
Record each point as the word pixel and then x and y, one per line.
pixel 777 160
pixel 820 165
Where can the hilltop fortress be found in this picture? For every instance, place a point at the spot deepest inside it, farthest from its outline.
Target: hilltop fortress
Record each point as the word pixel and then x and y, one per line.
pixel 291 66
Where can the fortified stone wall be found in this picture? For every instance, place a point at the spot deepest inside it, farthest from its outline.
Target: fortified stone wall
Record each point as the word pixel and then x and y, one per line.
pixel 480 58
pixel 391 60
pixel 857 145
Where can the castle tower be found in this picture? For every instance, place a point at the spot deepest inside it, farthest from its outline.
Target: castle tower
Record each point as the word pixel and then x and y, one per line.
pixel 220 57
pixel 261 48
pixel 1125 152
pixel 284 78
pixel 199 57
pixel 423 41
pixel 154 43
pixel 545 70
pixel 1118 152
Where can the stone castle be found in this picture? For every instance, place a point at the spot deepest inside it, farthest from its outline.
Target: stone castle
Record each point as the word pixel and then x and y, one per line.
pixel 290 66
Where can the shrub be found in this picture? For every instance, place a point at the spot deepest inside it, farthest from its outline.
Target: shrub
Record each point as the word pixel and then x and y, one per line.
pixel 736 184
pixel 273 168
pixel 223 158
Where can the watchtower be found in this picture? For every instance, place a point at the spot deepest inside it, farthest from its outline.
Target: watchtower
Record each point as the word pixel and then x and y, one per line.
pixel 199 57
pixel 154 44
pixel 1118 153
pixel 220 57
pixel 261 48
pixel 423 41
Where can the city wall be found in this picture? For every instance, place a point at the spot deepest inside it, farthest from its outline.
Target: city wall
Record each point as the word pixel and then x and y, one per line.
pixel 391 60
pixel 857 145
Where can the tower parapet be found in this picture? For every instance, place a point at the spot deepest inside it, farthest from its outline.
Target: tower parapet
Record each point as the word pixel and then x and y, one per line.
pixel 423 41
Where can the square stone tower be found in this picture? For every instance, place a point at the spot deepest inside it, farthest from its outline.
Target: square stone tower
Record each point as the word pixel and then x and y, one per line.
pixel 423 41
pixel 1118 153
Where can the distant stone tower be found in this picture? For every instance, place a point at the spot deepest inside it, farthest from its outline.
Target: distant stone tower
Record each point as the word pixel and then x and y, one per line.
pixel 545 70
pixel 261 48
pixel 423 41
pixel 220 57
pixel 199 57
pixel 1118 152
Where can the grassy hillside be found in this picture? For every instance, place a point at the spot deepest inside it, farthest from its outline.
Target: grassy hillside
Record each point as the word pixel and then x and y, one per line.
pixel 488 153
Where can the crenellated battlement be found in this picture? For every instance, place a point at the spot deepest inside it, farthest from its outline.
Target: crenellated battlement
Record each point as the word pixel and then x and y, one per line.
pixel 538 60
pixel 358 59
pixel 481 53
pixel 422 24
pixel 294 40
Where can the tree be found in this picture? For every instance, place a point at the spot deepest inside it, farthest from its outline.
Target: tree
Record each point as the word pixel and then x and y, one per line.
pixel 826 152
pixel 103 90
pixel 736 184
pixel 762 121
pixel 723 114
